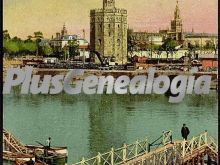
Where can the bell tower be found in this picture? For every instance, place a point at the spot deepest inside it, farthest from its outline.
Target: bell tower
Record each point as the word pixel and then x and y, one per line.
pixel 177 25
pixel 177 11
pixel 108 4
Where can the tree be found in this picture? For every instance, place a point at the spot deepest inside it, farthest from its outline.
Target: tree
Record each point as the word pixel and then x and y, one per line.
pixel 29 38
pixel 169 46
pixel 30 47
pixel 47 50
pixel 6 35
pixel 192 50
pixel 130 42
pixel 38 37
pixel 73 47
pixel 10 47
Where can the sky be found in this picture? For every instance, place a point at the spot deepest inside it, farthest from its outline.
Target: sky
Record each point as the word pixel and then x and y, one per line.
pixel 23 17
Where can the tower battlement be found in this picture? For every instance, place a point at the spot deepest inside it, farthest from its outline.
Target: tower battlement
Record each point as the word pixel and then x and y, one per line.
pixel 115 10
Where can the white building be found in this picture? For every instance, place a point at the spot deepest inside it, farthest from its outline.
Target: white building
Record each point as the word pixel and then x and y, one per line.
pixel 62 40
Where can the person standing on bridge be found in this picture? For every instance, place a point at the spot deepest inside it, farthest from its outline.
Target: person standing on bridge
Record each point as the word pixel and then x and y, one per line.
pixel 185 131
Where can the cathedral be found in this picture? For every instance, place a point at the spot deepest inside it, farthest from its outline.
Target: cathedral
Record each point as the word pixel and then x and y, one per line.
pixel 108 31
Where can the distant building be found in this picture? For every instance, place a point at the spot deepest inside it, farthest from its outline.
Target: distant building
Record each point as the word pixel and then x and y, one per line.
pixel 62 40
pixel 148 38
pixel 176 32
pixel 108 31
pixel 200 40
pixel 208 63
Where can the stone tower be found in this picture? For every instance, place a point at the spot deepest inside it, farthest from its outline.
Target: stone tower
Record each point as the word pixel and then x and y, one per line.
pixel 108 31
pixel 177 25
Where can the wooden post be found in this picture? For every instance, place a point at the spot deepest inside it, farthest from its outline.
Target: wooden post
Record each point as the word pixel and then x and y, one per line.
pixel 206 134
pixel 165 157
pixel 202 159
pixel 124 154
pixel 83 161
pixel 146 145
pixel 154 159
pixel 112 156
pixel 193 160
pixel 136 148
pixel 98 159
pixel 191 150
pixel 200 140
pixel 184 146
pixel 198 160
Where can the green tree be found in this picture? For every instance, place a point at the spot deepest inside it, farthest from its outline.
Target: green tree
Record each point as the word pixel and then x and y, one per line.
pixel 38 36
pixel 6 35
pixel 169 46
pixel 29 38
pixel 191 50
pixel 73 48
pixel 47 50
pixel 30 47
pixel 130 42
pixel 11 47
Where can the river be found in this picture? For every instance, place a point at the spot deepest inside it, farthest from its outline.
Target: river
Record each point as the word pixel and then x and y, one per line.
pixel 88 124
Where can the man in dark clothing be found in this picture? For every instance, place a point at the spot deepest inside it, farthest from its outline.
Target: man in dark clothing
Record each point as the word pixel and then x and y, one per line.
pixel 185 131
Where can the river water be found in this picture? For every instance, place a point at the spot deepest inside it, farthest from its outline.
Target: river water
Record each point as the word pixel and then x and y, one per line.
pixel 91 124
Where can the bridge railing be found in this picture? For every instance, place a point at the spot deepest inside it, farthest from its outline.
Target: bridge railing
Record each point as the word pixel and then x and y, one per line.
pixel 127 152
pixel 187 147
pixel 10 143
pixel 119 155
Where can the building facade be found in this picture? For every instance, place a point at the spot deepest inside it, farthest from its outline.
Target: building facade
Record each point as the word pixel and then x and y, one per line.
pixel 148 38
pixel 108 31
pixel 201 40
pixel 63 39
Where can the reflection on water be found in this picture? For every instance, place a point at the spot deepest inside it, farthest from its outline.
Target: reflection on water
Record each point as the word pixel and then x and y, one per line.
pixel 88 124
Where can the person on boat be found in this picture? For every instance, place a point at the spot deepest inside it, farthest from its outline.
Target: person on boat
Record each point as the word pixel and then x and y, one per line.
pixel 185 131
pixel 47 147
pixel 48 142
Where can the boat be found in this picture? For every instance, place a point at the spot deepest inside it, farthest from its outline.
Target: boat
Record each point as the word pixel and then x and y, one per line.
pixel 51 156
pixel 19 154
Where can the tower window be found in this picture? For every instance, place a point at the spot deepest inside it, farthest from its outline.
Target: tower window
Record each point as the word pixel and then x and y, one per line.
pixel 118 26
pixel 118 42
pixel 100 27
pixel 100 42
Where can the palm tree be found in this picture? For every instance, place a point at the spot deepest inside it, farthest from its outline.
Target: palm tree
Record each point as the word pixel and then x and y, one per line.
pixel 38 37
